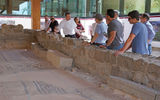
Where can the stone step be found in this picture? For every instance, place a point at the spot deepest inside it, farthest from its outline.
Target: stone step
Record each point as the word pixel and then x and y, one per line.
pixel 56 58
pixel 14 44
pixel 39 51
pixel 133 88
pixel 59 60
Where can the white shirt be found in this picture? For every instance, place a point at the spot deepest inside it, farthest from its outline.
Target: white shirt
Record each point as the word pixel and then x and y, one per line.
pixel 68 27
pixel 47 25
pixel 94 25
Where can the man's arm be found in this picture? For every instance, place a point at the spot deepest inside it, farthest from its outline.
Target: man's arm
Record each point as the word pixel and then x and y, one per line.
pixel 111 38
pixel 48 28
pixel 127 45
pixel 151 32
pixel 94 37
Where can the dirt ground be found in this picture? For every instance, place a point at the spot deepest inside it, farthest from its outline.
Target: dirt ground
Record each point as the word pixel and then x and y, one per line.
pixel 23 76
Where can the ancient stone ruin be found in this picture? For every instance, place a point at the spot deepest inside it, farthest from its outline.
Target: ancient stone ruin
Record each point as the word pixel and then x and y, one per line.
pixel 132 73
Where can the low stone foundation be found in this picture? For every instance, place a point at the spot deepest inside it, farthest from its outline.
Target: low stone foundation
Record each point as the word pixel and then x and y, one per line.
pixel 138 73
pixel 56 58
pixel 135 74
pixel 14 37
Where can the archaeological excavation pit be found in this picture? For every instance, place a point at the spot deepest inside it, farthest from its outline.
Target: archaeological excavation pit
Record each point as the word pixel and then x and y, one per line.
pixel 38 66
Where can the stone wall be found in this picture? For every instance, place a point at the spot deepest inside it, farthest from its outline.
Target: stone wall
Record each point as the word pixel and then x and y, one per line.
pixel 14 37
pixel 135 74
pixel 143 71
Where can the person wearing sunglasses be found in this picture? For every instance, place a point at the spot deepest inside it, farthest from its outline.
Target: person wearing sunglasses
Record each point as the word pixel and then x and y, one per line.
pixel 138 37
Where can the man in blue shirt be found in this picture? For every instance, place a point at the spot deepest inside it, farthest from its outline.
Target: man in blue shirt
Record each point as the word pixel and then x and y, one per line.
pixel 151 33
pixel 100 31
pixel 138 37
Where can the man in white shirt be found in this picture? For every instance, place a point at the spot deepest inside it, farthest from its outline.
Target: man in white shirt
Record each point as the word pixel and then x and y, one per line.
pixel 93 28
pixel 68 26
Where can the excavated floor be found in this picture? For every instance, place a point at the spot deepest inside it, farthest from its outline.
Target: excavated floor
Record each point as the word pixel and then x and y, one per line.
pixel 23 76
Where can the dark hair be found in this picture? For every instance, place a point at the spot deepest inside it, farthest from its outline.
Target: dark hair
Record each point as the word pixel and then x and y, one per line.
pixel 67 13
pixel 111 13
pixel 146 15
pixel 134 14
pixel 52 18
pixel 77 18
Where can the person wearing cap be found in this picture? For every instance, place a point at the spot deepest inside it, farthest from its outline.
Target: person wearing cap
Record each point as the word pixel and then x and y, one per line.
pixel 53 25
pixel 101 28
pixel 117 16
pixel 151 33
pixel 115 31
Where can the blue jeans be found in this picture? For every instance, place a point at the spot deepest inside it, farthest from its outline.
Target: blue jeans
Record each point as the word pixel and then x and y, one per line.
pixel 98 44
pixel 116 47
pixel 149 49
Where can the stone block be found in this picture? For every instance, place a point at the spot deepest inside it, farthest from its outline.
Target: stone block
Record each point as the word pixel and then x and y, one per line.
pixel 90 52
pixel 12 29
pixel 52 44
pixel 154 69
pixel 78 42
pixel 158 96
pixel 113 58
pixel 132 88
pixel 115 70
pixel 108 56
pixel 156 85
pixel 80 51
pixel 2 44
pixel 70 41
pixel 59 60
pixel 103 70
pixel 39 51
pixel 59 46
pixel 17 44
pixel 125 62
pixel 65 39
pixel 83 64
pixel 140 65
pixel 100 55
pixel 141 78
pixel 82 60
pixel 125 73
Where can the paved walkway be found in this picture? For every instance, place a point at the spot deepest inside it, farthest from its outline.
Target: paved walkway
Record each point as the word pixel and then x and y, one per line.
pixel 26 77
pixel 156 44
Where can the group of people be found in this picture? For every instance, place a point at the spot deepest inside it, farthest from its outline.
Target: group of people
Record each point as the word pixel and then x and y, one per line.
pixel 110 35
pixel 140 37
pixel 69 27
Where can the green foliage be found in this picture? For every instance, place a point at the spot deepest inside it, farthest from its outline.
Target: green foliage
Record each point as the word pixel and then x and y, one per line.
pixel 130 5
pixel 134 5
pixel 157 37
pixel 155 6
